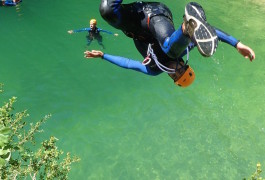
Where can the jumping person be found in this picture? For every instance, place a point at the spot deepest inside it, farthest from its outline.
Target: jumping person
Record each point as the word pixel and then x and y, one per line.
pixel 93 32
pixel 151 27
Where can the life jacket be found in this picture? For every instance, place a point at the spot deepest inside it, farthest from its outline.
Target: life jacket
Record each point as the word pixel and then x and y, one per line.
pixel 93 33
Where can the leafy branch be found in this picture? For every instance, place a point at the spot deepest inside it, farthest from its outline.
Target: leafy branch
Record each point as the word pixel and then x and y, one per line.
pixel 17 160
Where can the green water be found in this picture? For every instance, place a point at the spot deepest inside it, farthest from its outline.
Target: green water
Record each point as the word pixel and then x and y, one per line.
pixel 123 124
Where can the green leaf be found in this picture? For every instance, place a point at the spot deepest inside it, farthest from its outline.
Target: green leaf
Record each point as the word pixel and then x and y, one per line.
pixel 5 130
pixel 4 152
pixel 3 140
pixel 2 162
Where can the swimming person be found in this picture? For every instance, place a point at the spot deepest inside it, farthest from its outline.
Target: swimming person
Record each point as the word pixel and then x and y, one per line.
pixel 151 27
pixel 9 2
pixel 93 32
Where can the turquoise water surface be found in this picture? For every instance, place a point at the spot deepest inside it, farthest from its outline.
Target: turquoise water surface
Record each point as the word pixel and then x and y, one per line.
pixel 124 124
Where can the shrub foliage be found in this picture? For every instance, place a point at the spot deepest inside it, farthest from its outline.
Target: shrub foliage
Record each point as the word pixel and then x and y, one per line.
pixel 17 159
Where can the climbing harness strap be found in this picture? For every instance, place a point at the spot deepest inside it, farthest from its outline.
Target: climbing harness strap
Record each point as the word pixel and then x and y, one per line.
pixel 150 52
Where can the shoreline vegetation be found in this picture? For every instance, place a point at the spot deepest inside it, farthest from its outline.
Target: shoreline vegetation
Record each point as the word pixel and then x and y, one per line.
pixel 17 159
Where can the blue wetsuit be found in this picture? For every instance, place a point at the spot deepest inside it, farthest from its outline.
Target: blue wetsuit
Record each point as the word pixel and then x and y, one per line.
pixel 9 2
pixel 93 34
pixel 95 31
pixel 150 23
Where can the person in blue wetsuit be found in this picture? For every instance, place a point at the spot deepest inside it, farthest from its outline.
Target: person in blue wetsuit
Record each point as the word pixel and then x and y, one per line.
pixel 93 32
pixel 9 2
pixel 150 25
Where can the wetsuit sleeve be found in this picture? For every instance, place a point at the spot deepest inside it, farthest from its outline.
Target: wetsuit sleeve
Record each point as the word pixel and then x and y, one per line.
pixel 101 30
pixel 224 37
pixel 129 64
pixel 81 30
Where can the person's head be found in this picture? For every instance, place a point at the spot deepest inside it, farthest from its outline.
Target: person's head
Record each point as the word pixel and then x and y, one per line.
pixel 184 75
pixel 93 23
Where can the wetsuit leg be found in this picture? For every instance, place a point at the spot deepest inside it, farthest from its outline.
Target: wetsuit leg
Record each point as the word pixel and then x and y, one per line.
pixel 190 47
pixel 141 47
pixel 173 42
pixel 89 40
pixel 99 39
pixel 110 11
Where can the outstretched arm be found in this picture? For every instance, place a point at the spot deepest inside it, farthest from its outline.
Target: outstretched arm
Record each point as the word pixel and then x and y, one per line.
pixel 121 61
pixel 246 51
pixel 108 32
pixel 78 30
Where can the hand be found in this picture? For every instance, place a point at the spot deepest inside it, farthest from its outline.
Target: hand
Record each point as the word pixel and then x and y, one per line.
pixel 93 54
pixel 246 51
pixel 116 34
pixel 70 31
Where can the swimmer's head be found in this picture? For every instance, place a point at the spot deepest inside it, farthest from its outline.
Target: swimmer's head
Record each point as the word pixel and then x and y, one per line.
pixel 93 23
pixel 184 75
